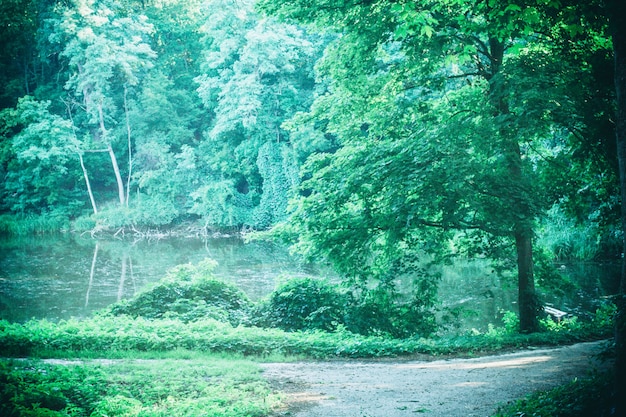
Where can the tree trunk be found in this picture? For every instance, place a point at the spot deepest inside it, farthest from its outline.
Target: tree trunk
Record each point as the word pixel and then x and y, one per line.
pixel 130 149
pixel 522 231
pixel 617 16
pixel 118 175
pixel 116 168
pixel 82 162
pixel 91 198
pixel 527 297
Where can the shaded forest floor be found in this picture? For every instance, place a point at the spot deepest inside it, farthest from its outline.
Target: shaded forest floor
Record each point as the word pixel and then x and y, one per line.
pixel 441 388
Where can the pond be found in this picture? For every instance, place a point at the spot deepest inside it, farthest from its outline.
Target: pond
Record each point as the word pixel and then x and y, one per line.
pixel 70 276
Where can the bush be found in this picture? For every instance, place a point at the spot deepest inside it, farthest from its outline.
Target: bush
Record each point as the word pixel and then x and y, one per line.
pixel 189 293
pixel 304 304
pixel 382 310
pixel 313 304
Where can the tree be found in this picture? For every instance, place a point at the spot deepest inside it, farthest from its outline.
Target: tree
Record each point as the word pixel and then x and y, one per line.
pixel 257 73
pixel 106 51
pixel 17 35
pixel 42 176
pixel 437 106
pixel 616 12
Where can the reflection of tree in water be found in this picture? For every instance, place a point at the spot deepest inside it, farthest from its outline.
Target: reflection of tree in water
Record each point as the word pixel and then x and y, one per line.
pixel 126 261
pixel 126 268
pixel 92 271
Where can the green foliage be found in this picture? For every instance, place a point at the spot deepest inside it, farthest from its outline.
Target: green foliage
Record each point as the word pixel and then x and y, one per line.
pixel 305 304
pixel 383 311
pixel 310 304
pixel 568 240
pixel 548 275
pixel 144 211
pixel 588 397
pixel 36 389
pixel 115 336
pixel 190 293
pixel 222 205
pixel 164 388
pixel 256 75
pixel 40 177
pixel 32 224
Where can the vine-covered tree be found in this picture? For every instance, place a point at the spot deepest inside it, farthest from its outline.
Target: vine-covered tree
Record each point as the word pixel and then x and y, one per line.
pixel 257 74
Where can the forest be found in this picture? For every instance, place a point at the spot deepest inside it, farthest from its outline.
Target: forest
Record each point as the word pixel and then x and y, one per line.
pixel 380 136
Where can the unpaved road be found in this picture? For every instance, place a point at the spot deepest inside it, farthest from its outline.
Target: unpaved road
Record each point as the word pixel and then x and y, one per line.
pixel 442 388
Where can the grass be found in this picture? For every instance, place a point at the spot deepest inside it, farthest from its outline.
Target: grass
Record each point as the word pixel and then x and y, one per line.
pixel 131 366
pixel 164 387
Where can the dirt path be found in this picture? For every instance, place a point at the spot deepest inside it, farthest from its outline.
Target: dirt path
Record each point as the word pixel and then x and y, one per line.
pixel 443 388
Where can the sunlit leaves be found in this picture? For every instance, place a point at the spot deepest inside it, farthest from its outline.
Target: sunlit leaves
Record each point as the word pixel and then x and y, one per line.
pixel 257 73
pixel 45 149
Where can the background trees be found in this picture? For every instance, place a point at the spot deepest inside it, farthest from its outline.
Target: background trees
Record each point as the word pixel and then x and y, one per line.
pixel 424 130
pixel 256 74
pixel 175 109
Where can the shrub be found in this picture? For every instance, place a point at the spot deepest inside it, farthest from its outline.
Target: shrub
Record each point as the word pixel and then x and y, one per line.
pixel 190 293
pixel 379 311
pixel 304 304
pixel 313 304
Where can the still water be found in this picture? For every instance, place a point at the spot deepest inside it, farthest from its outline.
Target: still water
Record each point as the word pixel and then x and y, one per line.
pixel 70 276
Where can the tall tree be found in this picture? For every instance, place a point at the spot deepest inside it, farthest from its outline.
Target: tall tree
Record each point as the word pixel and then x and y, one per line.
pixel 432 99
pixel 257 73
pixel 616 12
pixel 42 178
pixel 106 51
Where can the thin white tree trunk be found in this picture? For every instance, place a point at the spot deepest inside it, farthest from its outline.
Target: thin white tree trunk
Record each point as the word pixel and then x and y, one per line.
pixel 82 162
pixel 88 183
pixel 130 149
pixel 116 168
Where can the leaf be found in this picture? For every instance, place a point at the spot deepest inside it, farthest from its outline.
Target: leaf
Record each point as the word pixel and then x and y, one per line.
pixel 513 8
pixel 427 31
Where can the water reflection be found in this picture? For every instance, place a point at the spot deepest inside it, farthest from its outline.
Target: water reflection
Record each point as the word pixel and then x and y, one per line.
pixel 61 277
pixel 65 276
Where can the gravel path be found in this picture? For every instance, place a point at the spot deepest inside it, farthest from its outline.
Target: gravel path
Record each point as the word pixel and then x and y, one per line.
pixel 442 388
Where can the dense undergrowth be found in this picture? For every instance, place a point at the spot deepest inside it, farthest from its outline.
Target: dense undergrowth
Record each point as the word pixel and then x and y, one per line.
pixel 165 388
pixel 207 336
pixel 588 397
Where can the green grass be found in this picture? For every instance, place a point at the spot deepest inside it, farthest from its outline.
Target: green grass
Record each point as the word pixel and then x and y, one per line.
pixel 209 387
pixel 125 366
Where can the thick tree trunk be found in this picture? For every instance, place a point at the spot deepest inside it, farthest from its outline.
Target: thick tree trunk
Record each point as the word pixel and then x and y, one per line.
pixel 522 231
pixel 527 298
pixel 617 16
